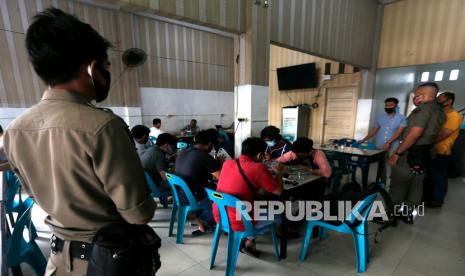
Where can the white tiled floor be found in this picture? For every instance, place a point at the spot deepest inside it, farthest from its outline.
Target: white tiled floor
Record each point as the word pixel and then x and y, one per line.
pixel 434 245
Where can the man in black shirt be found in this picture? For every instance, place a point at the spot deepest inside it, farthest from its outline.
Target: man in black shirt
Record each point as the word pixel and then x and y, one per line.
pixel 196 166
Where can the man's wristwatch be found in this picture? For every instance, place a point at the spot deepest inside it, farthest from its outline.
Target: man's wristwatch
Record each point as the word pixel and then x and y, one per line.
pixel 397 153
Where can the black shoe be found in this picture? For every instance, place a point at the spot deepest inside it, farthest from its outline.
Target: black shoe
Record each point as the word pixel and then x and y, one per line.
pixel 290 235
pixel 432 204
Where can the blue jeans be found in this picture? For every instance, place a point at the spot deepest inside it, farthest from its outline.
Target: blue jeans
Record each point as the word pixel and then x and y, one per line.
pixel 205 215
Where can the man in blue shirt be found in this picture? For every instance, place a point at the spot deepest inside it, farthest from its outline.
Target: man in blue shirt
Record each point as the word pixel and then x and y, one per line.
pixel 388 129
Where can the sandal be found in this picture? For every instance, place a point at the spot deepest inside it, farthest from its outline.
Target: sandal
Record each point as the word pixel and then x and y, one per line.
pixel 249 250
pixel 207 230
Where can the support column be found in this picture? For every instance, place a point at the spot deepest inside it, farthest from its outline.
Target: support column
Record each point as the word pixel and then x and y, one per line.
pixel 252 50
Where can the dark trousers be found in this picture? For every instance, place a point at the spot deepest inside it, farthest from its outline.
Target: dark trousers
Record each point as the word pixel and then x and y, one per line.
pixel 435 185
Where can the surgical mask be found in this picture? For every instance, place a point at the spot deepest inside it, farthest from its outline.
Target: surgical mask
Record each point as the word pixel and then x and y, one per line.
pixel 390 110
pixel 417 100
pixel 271 143
pixel 100 90
pixel 443 104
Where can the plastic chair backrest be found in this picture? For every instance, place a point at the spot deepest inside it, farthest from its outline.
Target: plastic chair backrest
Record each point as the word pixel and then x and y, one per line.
pixel 362 207
pixel 222 201
pixel 182 145
pixel 223 134
pixel 17 246
pixel 151 184
pixel 176 181
pixel 12 190
pixel 153 139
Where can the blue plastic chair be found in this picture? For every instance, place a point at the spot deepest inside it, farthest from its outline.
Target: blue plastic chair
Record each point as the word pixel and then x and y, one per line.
pixel 337 170
pixel 163 196
pixel 14 204
pixel 222 201
pixel 175 181
pixel 153 139
pixel 21 251
pixel 182 145
pixel 352 225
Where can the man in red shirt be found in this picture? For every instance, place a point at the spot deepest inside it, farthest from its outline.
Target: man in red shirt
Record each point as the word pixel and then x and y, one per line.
pixel 232 182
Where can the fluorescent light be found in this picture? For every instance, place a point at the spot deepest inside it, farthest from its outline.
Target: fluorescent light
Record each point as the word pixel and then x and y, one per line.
pixel 439 75
pixel 454 74
pixel 424 76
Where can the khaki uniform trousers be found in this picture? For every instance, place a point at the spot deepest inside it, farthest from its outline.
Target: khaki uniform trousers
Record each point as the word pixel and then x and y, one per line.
pixel 61 264
pixel 405 186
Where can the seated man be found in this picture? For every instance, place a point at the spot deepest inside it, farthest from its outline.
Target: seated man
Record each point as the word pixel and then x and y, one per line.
pixel 191 128
pixel 140 134
pixel 155 130
pixel 303 153
pixel 277 146
pixel 259 177
pixel 196 166
pixel 154 161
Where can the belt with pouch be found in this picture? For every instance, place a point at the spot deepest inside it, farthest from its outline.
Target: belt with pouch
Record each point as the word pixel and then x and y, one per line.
pixel 77 249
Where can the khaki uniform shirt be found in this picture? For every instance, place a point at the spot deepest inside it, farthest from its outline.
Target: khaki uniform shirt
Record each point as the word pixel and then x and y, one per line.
pixel 429 116
pixel 80 165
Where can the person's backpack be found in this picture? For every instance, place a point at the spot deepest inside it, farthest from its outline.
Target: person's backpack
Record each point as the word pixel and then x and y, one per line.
pixel 125 249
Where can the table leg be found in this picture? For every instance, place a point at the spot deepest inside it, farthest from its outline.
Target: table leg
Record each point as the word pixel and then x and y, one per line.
pixel 283 246
pixel 381 167
pixel 365 171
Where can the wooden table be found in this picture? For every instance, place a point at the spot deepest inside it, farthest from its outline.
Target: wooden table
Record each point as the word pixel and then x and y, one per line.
pixel 302 179
pixel 365 155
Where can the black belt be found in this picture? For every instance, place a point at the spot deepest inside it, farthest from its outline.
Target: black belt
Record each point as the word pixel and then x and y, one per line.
pixel 77 249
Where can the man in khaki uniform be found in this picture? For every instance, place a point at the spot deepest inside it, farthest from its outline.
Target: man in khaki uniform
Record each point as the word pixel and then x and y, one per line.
pixel 77 161
pixel 413 154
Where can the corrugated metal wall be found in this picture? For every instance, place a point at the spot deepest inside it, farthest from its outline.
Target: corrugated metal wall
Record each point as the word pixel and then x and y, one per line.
pixel 179 57
pixel 422 32
pixel 223 14
pixel 343 30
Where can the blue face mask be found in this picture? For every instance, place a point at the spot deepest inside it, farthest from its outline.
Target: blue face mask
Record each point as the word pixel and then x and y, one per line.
pixel 271 143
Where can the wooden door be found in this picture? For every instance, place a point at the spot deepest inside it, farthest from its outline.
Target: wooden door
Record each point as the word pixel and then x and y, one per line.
pixel 340 113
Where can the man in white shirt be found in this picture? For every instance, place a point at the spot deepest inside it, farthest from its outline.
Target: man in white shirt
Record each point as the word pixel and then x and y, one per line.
pixel 155 130
pixel 140 134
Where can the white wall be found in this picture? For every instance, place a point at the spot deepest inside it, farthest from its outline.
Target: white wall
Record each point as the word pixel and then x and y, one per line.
pixel 251 103
pixel 176 107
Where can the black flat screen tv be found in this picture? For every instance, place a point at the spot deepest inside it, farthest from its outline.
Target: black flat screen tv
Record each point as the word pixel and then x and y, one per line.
pixel 297 77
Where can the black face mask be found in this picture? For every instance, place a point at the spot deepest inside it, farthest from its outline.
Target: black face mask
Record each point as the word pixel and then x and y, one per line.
pixel 102 90
pixel 390 110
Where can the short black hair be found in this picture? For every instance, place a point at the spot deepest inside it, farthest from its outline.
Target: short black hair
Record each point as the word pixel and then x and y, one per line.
pixel 253 146
pixel 392 100
pixel 302 145
pixel 156 121
pixel 270 132
pixel 207 136
pixel 194 120
pixel 430 84
pixel 449 96
pixel 1 129
pixel 140 131
pixel 165 138
pixel 58 44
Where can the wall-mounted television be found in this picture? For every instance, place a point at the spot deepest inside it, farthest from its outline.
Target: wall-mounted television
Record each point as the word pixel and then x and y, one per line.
pixel 297 77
